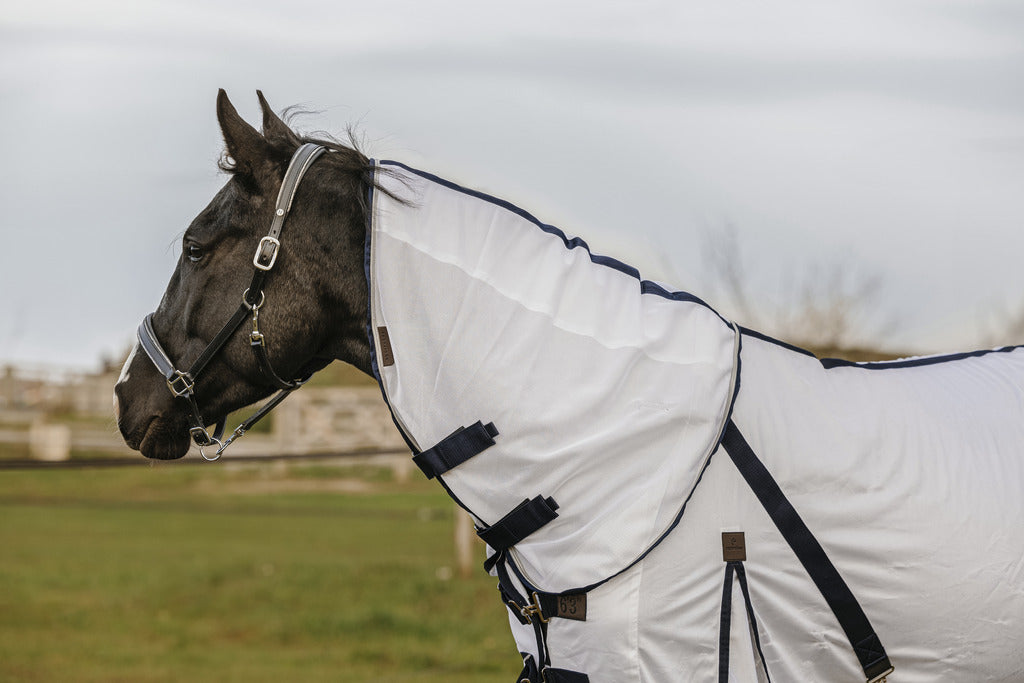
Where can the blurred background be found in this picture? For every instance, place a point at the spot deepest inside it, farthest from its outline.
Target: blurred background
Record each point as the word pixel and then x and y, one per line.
pixel 845 176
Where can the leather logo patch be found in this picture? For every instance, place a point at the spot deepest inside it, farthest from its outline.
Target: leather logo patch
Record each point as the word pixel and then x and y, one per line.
pixel 734 547
pixel 387 356
pixel 572 606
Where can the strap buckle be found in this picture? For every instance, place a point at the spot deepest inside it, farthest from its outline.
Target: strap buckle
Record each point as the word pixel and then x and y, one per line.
pixel 260 260
pixel 534 609
pixel 181 384
pixel 881 678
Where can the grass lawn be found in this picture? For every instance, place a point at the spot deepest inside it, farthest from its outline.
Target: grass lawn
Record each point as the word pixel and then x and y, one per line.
pixel 212 573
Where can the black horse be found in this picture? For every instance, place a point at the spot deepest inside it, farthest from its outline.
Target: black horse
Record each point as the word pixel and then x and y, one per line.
pixel 602 408
pixel 314 305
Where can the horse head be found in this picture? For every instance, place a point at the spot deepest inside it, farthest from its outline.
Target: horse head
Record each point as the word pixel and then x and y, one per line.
pixel 311 307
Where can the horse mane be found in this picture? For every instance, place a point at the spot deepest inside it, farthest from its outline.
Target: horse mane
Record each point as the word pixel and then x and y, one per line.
pixel 347 159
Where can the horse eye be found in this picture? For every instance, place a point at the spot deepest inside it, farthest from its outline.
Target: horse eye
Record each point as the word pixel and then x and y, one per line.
pixel 194 252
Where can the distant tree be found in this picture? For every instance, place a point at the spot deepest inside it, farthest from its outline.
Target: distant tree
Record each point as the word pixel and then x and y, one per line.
pixel 1003 325
pixel 829 308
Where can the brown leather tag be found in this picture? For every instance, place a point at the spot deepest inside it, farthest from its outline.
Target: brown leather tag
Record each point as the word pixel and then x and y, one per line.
pixel 572 606
pixel 387 356
pixel 734 547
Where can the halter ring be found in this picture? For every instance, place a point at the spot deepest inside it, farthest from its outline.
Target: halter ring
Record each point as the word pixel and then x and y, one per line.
pixel 253 307
pixel 216 456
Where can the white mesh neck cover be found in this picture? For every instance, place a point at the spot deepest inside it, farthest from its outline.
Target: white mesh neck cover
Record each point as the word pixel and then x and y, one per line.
pixel 609 394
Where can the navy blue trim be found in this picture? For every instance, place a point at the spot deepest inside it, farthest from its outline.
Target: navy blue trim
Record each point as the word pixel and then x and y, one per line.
pixel 829 363
pixel 772 340
pixel 646 286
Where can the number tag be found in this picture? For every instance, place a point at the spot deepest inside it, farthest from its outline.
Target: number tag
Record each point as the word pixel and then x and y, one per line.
pixel 573 606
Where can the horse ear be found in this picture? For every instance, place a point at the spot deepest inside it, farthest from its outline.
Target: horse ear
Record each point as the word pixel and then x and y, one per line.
pixel 273 126
pixel 247 148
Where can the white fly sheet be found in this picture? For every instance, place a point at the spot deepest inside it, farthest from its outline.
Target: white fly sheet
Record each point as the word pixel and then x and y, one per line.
pixel 610 396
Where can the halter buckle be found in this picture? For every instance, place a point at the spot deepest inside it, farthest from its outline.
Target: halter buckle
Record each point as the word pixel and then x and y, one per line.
pixel 260 260
pixel 201 437
pixel 181 384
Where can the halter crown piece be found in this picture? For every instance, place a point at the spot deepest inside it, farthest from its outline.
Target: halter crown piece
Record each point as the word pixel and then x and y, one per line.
pixel 182 383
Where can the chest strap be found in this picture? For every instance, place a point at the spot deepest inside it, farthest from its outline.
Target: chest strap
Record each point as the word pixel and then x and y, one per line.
pixel 548 674
pixel 522 521
pixel 866 644
pixel 534 670
pixel 725 625
pixel 456 449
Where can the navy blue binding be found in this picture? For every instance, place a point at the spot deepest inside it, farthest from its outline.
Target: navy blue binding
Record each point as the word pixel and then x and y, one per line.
pixel 772 340
pixel 830 363
pixel 646 286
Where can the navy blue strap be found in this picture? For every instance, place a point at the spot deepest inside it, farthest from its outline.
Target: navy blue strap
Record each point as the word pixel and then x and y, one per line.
pixel 456 449
pixel 812 556
pixel 520 607
pixel 726 621
pixel 530 674
pixel 526 518
pixel 510 601
pixel 552 675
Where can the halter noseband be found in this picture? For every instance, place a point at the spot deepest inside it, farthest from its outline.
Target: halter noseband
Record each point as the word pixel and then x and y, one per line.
pixel 182 383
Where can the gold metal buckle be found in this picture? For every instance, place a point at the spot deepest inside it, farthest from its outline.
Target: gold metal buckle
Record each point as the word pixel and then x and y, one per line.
pixel 534 609
pixel 881 678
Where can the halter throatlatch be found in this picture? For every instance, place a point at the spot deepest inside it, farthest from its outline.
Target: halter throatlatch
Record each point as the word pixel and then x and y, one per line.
pixel 182 383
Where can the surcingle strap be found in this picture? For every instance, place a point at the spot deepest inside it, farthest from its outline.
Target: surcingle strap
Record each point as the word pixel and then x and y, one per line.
pixel 535 670
pixel 524 519
pixel 456 449
pixel 812 556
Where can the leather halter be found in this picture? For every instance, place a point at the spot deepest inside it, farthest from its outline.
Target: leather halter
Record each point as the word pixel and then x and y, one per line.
pixel 182 383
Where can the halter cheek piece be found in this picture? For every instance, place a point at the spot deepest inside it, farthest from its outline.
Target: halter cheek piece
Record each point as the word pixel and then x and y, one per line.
pixel 182 383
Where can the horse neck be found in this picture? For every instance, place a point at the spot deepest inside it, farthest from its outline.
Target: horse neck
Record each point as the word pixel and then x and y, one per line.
pixel 337 242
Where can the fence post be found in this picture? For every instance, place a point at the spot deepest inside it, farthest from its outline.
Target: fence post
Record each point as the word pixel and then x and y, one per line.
pixel 463 543
pixel 50 442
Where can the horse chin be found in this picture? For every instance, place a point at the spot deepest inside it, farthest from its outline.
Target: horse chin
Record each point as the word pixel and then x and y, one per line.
pixel 165 440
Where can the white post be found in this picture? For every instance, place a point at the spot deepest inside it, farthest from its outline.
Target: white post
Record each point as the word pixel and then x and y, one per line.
pixel 463 542
pixel 49 442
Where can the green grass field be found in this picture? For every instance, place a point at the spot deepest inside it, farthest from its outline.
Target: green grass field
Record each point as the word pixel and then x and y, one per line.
pixel 181 572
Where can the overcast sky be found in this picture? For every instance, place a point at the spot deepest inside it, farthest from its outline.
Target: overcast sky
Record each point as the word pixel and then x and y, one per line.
pixel 884 135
